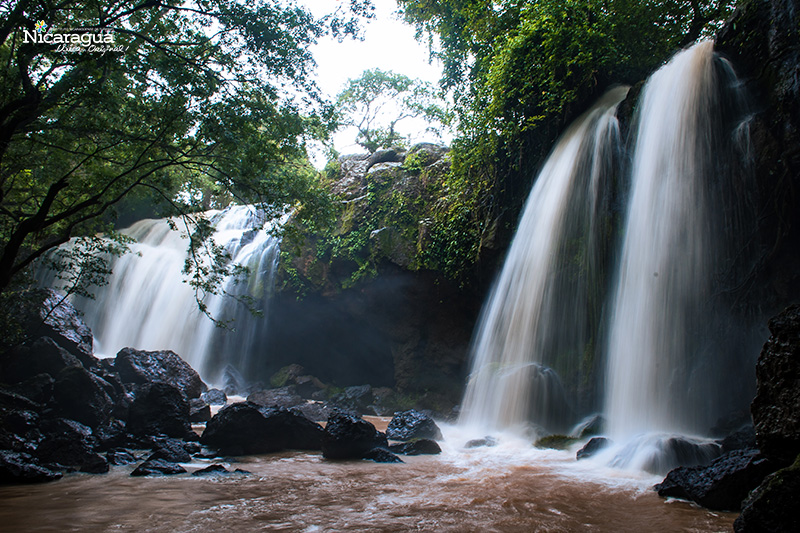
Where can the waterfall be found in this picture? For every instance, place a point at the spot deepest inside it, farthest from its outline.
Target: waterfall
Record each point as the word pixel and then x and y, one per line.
pixel 538 323
pixel 671 365
pixel 147 303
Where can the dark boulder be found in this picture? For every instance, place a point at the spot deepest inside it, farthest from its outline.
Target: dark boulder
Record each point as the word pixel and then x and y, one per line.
pixel 67 443
pixel 416 447
pixel 139 367
pixel 777 404
pixel 80 395
pixel 590 426
pixel 381 455
pixel 199 411
pixel 170 450
pixel 95 464
pixel 316 411
pixel 158 408
pixel 18 468
pixel 412 424
pixel 721 485
pixel 214 397
pixel 120 456
pixel 591 448
pixel 772 506
pixel 247 428
pixel 349 437
pixel 158 467
pixel 43 356
pixel 38 388
pixel 282 397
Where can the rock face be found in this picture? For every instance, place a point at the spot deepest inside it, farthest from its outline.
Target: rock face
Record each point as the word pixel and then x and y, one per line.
pixel 777 403
pixel 722 485
pixel 139 367
pixel 412 424
pixel 348 437
pixel 772 507
pixel 247 428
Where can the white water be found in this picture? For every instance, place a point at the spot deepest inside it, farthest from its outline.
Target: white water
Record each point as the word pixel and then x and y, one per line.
pixel 540 303
pixel 664 364
pixel 148 304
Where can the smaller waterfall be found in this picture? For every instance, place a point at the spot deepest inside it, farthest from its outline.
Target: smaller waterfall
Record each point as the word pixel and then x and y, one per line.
pixel 148 304
pixel 540 317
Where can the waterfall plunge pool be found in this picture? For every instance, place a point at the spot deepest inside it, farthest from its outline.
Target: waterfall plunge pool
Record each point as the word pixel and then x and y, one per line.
pixel 509 487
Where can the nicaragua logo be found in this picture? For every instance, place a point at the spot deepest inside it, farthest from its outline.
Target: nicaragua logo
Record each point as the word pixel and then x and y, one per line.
pixel 79 40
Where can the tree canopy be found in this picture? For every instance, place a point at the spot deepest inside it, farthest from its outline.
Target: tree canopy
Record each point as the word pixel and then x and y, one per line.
pixel 104 100
pixel 377 101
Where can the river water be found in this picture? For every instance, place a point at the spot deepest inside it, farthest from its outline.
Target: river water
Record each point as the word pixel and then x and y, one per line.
pixel 510 487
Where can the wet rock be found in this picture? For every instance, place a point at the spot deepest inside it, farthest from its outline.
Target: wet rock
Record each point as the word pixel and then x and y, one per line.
pixel 721 485
pixel 80 395
pixel 316 411
pixel 381 455
pixel 211 470
pixel 356 399
pixel 590 426
pixel 555 442
pixel 67 443
pixel 306 386
pixel 349 437
pixel 199 411
pixel 43 356
pixel 158 467
pixel 214 397
pixel 282 397
pixel 171 451
pixel 247 428
pixel 38 388
pixel 412 424
pixel 777 402
pixel 141 367
pixel 486 441
pixel 120 456
pixel 594 445
pixel 658 454
pixel 742 439
pixel 17 468
pixel 772 506
pixel 159 408
pixel 416 447
pixel 95 464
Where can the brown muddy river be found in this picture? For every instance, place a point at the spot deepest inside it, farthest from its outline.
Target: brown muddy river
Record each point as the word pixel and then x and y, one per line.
pixel 511 487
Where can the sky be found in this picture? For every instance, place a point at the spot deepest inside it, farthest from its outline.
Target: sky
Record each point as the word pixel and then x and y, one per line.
pixel 389 45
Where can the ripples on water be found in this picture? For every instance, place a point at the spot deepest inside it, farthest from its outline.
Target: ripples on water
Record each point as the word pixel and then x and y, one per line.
pixel 511 487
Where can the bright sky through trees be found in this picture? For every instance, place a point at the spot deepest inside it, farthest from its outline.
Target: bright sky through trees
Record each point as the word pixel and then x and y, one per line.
pixel 388 44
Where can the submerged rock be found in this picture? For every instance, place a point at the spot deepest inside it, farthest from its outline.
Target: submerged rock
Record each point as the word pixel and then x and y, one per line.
pixel 140 367
pixel 349 437
pixel 412 424
pixel 486 441
pixel 777 404
pixel 591 448
pixel 158 467
pixel 247 428
pixel 721 485
pixel 555 442
pixel 381 455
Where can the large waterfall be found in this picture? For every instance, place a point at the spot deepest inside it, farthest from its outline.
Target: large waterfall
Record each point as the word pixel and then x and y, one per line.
pixel 663 325
pixel 148 304
pixel 544 305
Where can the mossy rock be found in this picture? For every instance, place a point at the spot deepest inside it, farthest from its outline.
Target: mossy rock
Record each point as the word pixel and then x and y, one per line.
pixel 555 442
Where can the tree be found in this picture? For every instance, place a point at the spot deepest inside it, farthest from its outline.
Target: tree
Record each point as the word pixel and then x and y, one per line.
pixel 102 100
pixel 377 101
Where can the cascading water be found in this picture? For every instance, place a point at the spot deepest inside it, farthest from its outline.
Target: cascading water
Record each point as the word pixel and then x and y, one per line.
pixel 672 367
pixel 546 303
pixel 148 305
